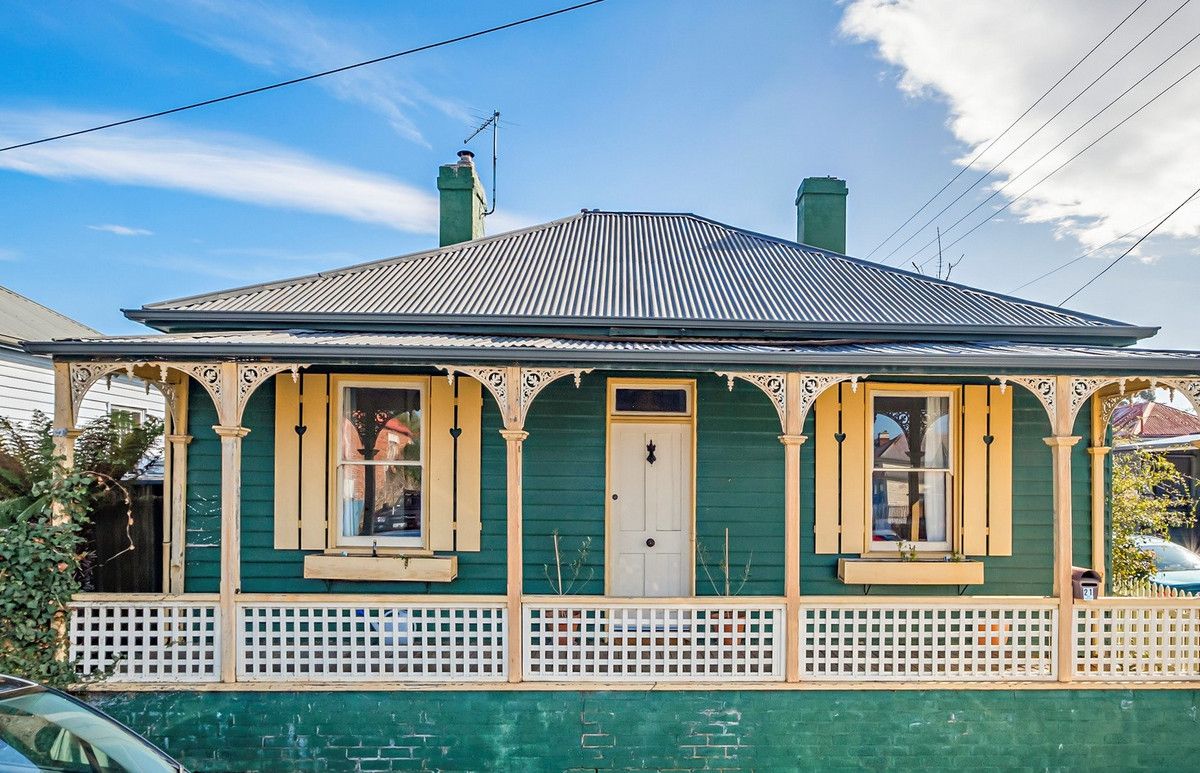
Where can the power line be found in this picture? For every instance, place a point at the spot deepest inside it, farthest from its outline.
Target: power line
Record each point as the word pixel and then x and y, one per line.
pixel 1046 123
pixel 1132 247
pixel 997 138
pixel 313 76
pixel 1073 261
pixel 1058 168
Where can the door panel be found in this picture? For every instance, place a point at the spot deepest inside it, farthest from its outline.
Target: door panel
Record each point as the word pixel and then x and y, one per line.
pixel 651 514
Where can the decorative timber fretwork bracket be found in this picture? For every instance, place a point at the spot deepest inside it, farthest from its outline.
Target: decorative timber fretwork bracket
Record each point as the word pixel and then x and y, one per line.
pixel 229 384
pixel 792 391
pixel 1078 389
pixel 513 387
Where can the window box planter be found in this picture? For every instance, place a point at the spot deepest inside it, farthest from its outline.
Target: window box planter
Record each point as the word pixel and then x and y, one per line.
pixel 882 571
pixel 381 568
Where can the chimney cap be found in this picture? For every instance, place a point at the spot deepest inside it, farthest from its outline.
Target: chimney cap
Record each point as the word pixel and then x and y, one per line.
pixel 466 157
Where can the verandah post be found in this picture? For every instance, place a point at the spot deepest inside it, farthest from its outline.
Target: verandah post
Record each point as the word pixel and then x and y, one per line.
pixel 231 434
pixel 792 440
pixel 1061 442
pixel 514 438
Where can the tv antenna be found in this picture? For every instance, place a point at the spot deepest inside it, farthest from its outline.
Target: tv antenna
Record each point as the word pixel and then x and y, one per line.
pixel 948 266
pixel 494 122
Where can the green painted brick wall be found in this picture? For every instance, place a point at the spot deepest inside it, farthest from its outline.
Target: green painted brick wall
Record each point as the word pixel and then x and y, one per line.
pixel 664 730
pixel 739 485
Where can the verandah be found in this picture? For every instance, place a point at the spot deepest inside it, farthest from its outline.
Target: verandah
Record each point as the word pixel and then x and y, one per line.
pixel 244 637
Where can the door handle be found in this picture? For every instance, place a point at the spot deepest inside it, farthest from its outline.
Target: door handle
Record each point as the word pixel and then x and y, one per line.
pixel 650 542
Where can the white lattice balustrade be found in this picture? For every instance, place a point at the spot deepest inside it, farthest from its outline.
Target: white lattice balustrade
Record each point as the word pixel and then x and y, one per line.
pixel 1137 639
pixel 347 641
pixel 904 640
pixel 644 641
pixel 146 641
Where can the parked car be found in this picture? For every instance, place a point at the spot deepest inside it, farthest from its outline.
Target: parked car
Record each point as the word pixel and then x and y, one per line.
pixel 42 729
pixel 1175 566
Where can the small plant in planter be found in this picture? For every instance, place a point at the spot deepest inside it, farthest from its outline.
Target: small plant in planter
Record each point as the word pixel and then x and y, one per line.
pixel 564 587
pixel 908 550
pixel 733 621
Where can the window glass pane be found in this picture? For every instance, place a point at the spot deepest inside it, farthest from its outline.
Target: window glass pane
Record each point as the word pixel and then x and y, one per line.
pixel 638 400
pixel 380 424
pixel 910 506
pixel 381 500
pixel 912 431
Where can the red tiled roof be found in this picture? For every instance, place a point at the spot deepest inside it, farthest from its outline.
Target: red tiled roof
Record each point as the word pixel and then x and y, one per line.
pixel 1153 420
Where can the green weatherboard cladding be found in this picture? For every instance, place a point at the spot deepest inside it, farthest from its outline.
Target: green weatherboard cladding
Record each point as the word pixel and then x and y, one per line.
pixel 644 730
pixel 739 485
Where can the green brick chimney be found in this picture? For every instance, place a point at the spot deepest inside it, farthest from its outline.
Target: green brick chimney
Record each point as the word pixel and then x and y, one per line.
pixel 821 213
pixel 463 201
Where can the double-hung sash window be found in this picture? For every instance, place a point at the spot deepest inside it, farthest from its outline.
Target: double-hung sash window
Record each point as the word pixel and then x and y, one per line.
pixel 912 458
pixel 381 457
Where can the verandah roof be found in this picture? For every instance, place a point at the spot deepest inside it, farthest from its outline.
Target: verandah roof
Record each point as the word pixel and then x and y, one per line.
pixel 418 348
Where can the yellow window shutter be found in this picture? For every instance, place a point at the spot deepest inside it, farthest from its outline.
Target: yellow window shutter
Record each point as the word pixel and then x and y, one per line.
pixel 854 467
pixel 287 464
pixel 301 431
pixel 987 471
pixel 827 485
pixel 454 464
pixel 840 486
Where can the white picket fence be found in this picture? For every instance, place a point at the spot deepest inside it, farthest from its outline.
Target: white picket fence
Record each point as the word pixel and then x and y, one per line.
pixel 147 639
pixel 404 640
pixel 939 640
pixel 647 640
pixel 1148 589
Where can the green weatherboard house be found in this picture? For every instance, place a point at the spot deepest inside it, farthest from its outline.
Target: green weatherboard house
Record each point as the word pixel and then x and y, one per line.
pixel 635 489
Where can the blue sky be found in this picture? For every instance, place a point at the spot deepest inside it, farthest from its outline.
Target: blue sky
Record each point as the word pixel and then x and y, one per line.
pixel 711 107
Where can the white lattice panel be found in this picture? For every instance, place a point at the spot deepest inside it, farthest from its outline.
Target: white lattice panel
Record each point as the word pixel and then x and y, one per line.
pixel 653 642
pixel 147 641
pixel 1127 640
pixel 371 642
pixel 910 641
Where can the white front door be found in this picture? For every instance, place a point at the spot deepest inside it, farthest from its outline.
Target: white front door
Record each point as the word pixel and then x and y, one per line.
pixel 651 508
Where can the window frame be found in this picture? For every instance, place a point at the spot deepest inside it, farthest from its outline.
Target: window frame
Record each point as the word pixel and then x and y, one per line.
pixel 687 386
pixel 338 541
pixel 953 468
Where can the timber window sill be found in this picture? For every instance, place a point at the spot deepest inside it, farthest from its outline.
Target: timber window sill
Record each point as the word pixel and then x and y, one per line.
pixel 381 568
pixel 867 571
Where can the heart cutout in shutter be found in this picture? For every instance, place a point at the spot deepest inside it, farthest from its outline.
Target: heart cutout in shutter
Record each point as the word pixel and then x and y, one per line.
pixel 455 432
pixel 988 439
pixel 839 436
pixel 300 429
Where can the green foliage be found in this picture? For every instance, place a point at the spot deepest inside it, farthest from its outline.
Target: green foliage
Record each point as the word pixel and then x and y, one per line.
pixel 575 568
pixel 44 514
pixel 1149 497
pixel 39 563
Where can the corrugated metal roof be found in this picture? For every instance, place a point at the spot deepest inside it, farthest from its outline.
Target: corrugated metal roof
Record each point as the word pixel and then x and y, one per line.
pixel 398 348
pixel 22 319
pixel 637 268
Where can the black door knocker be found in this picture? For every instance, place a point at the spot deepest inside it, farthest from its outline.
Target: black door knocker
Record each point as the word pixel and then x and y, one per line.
pixel 650 457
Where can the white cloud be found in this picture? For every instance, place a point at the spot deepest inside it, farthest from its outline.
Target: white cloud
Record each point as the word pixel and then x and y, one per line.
pixel 221 165
pixel 989 61
pixel 121 230
pixel 292 41
pixel 7 256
